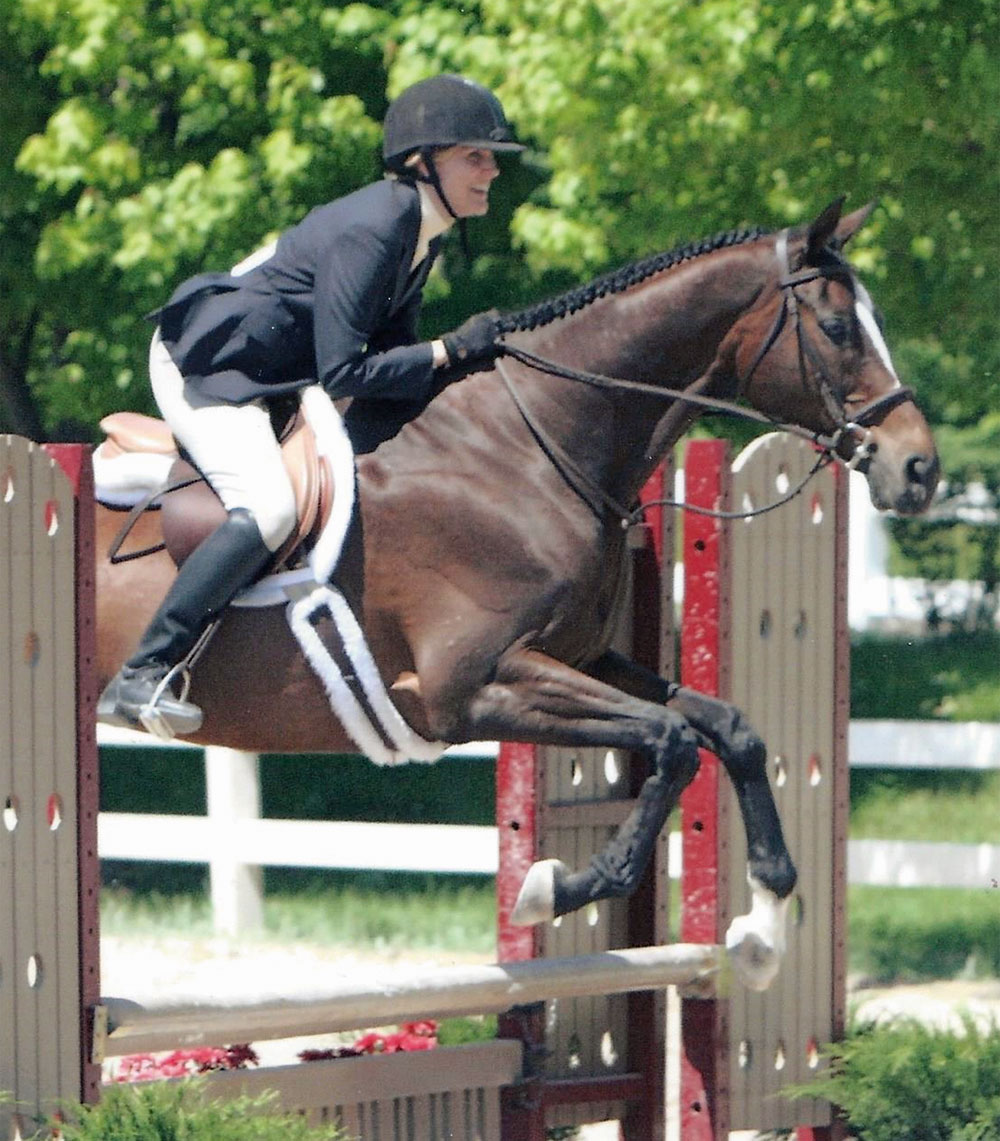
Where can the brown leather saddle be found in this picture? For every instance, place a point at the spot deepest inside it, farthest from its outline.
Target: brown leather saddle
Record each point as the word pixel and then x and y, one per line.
pixel 192 510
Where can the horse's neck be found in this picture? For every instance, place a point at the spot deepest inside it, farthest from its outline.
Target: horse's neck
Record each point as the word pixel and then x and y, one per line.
pixel 666 331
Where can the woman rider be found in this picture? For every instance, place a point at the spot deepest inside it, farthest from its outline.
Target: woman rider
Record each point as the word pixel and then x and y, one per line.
pixel 335 300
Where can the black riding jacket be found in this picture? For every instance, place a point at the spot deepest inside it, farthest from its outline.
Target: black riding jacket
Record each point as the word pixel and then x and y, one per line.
pixel 336 302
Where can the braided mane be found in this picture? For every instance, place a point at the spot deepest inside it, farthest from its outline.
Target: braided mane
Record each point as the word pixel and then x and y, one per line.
pixel 619 280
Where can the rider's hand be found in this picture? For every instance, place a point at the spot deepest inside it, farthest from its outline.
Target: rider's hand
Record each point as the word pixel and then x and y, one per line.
pixel 475 340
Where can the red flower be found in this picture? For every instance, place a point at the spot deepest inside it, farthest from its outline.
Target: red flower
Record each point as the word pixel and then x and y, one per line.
pixel 426 1028
pixel 182 1063
pixel 410 1036
pixel 239 1057
pixel 413 1042
pixel 370 1043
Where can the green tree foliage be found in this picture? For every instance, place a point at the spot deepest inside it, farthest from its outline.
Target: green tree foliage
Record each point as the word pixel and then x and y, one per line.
pixel 22 302
pixel 665 121
pixel 158 139
pixel 182 135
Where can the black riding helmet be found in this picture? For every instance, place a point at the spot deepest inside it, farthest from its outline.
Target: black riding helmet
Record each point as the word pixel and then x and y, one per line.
pixel 443 111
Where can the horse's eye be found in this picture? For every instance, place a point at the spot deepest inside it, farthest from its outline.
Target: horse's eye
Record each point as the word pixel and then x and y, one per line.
pixel 838 330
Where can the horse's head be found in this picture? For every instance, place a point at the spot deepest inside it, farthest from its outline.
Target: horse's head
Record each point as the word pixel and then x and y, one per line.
pixel 811 352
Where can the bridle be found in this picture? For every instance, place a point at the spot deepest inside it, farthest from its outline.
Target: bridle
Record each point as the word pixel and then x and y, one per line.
pixel 813 371
pixel 818 377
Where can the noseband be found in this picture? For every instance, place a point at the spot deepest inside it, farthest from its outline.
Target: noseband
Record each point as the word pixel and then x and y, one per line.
pixel 816 378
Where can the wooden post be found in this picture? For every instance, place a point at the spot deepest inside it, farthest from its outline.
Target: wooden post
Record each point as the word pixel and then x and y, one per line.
pixel 232 786
pixel 704 883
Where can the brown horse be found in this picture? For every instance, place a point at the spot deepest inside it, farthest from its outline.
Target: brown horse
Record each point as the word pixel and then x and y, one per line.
pixel 485 558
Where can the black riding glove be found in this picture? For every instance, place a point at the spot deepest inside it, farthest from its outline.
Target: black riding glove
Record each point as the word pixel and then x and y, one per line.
pixel 475 340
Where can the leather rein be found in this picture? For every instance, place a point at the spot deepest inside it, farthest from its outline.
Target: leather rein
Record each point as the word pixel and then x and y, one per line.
pixel 812 369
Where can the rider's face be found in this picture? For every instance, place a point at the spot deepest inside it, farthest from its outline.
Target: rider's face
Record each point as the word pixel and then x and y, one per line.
pixel 466 175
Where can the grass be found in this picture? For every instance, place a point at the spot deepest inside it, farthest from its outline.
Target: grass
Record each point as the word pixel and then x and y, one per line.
pixel 380 911
pixel 157 914
pixel 387 912
pixel 925 933
pixel 915 934
pixel 953 805
pixel 896 934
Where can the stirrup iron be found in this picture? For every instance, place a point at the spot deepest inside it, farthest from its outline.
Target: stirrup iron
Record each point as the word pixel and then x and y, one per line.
pixel 153 721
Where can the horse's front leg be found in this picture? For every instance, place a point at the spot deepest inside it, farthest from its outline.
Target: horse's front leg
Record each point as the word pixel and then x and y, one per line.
pixel 538 700
pixel 755 941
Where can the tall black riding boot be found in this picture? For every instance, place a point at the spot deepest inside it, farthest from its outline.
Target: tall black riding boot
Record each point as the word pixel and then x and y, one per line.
pixel 140 695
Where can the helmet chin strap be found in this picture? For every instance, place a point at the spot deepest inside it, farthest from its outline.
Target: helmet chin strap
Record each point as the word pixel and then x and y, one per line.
pixel 434 179
pixel 432 176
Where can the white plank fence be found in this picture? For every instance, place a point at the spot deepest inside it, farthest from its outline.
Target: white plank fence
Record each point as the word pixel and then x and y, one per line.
pixel 236 842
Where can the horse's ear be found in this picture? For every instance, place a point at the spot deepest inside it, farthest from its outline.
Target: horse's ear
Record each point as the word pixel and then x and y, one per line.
pixel 849 226
pixel 822 230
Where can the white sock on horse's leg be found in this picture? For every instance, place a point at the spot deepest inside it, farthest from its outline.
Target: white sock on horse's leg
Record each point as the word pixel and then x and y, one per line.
pixel 756 941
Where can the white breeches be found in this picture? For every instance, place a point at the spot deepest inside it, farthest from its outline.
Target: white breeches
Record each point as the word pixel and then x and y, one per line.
pixel 233 445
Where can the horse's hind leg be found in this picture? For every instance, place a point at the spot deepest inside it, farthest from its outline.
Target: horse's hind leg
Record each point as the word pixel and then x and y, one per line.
pixel 541 701
pixel 756 941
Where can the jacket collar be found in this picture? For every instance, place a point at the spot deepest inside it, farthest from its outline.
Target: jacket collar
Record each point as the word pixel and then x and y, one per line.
pixel 434 221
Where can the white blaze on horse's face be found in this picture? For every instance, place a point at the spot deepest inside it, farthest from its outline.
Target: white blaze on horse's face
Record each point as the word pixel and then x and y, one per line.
pixel 866 315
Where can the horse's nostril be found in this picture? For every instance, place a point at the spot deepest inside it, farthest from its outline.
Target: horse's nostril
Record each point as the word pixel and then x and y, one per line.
pixel 921 470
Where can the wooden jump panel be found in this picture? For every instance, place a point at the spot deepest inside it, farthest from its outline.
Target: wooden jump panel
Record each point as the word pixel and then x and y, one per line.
pixel 451 1093
pixel 41 996
pixel 786 619
pixel 768 625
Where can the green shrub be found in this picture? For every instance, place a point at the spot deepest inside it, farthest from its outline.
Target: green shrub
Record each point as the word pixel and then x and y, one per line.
pixel 952 676
pixel 906 1080
pixel 180 1111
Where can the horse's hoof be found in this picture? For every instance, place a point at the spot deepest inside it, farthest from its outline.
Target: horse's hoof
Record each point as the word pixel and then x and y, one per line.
pixel 536 901
pixel 755 959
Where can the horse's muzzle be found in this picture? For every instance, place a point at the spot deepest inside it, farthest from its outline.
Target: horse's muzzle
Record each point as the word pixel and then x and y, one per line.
pixel 907 487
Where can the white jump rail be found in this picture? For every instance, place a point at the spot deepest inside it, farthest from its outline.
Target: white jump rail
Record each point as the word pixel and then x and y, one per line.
pixel 330 844
pixel 924 744
pixel 123 1027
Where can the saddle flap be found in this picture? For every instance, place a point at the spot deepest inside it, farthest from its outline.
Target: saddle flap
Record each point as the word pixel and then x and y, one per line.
pixel 191 513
